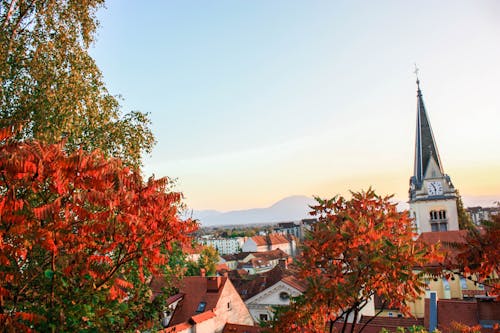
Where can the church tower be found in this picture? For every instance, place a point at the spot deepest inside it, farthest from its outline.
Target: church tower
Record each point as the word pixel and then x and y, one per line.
pixel 433 198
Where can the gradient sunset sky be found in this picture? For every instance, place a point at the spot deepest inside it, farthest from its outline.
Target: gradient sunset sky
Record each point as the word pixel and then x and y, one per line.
pixel 253 101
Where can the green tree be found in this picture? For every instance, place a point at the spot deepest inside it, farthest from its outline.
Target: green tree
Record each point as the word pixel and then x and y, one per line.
pixel 50 84
pixel 209 257
pixel 464 219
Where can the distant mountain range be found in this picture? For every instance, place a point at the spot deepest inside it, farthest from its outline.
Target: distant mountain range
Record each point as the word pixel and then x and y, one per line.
pixel 292 208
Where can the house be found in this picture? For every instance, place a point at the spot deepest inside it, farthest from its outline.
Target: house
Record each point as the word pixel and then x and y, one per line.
pixel 480 214
pixel 285 244
pixel 270 242
pixel 457 297
pixel 232 260
pixel 260 262
pixel 203 304
pixel 306 226
pixel 272 288
pixel 192 251
pixel 277 294
pixel 255 244
pixel 255 262
pixel 256 266
pixel 288 228
pixel 453 286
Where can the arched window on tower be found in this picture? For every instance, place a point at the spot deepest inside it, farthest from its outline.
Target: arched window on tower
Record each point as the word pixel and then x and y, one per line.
pixel 438 220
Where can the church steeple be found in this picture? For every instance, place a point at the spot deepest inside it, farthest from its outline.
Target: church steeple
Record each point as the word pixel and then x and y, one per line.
pixel 425 145
pixel 432 195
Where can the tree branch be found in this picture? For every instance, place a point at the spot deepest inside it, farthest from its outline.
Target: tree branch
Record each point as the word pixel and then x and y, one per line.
pixel 9 13
pixel 384 303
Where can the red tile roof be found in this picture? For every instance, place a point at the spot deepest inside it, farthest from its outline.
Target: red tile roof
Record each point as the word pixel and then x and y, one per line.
pixel 199 318
pixel 158 283
pixel 455 236
pixel 256 263
pixel 271 255
pixel 249 286
pixel 174 298
pixel 276 239
pixel 176 328
pixel 295 283
pixel 446 238
pixel 192 249
pixel 260 240
pixel 195 289
pixel 235 328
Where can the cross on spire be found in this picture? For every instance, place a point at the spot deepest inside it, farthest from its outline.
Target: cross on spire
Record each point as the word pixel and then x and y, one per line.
pixel 416 71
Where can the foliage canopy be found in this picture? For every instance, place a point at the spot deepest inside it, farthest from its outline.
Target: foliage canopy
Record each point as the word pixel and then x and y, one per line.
pixel 80 237
pixel 359 248
pixel 50 84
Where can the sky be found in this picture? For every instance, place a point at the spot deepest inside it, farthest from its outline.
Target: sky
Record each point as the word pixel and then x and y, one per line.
pixel 254 101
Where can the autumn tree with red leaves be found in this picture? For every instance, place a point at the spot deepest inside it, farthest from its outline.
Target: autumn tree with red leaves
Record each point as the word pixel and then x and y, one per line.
pixel 80 237
pixel 478 256
pixel 359 248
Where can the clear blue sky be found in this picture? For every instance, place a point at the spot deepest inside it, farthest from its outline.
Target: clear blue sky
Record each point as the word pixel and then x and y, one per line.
pixel 252 101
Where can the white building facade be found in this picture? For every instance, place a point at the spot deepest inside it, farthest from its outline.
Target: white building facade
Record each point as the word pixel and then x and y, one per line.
pixel 224 245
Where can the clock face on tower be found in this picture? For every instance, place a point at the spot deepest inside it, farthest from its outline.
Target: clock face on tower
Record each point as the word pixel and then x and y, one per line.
pixel 435 188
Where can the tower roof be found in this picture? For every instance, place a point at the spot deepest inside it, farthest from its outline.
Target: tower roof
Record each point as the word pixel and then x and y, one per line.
pixel 425 145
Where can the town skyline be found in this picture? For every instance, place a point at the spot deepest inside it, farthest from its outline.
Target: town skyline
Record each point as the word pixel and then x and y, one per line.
pixel 255 102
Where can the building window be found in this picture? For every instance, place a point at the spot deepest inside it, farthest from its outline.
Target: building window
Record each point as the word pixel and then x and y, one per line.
pixel 263 317
pixel 201 307
pixel 284 296
pixel 463 283
pixel 438 220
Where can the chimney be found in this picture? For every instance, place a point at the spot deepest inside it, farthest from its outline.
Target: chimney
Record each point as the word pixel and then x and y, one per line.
pixel 433 319
pixel 213 283
pixel 203 272
pixel 283 263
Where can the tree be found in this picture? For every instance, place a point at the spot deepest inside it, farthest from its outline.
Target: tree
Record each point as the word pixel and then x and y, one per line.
pixel 80 237
pixel 478 255
pixel 464 219
pixel 209 257
pixel 50 84
pixel 359 248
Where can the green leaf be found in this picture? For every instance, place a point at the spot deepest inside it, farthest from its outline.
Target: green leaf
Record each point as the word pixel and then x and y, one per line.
pixel 49 274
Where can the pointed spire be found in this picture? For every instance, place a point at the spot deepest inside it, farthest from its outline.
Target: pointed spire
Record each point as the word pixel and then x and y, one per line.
pixel 425 145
